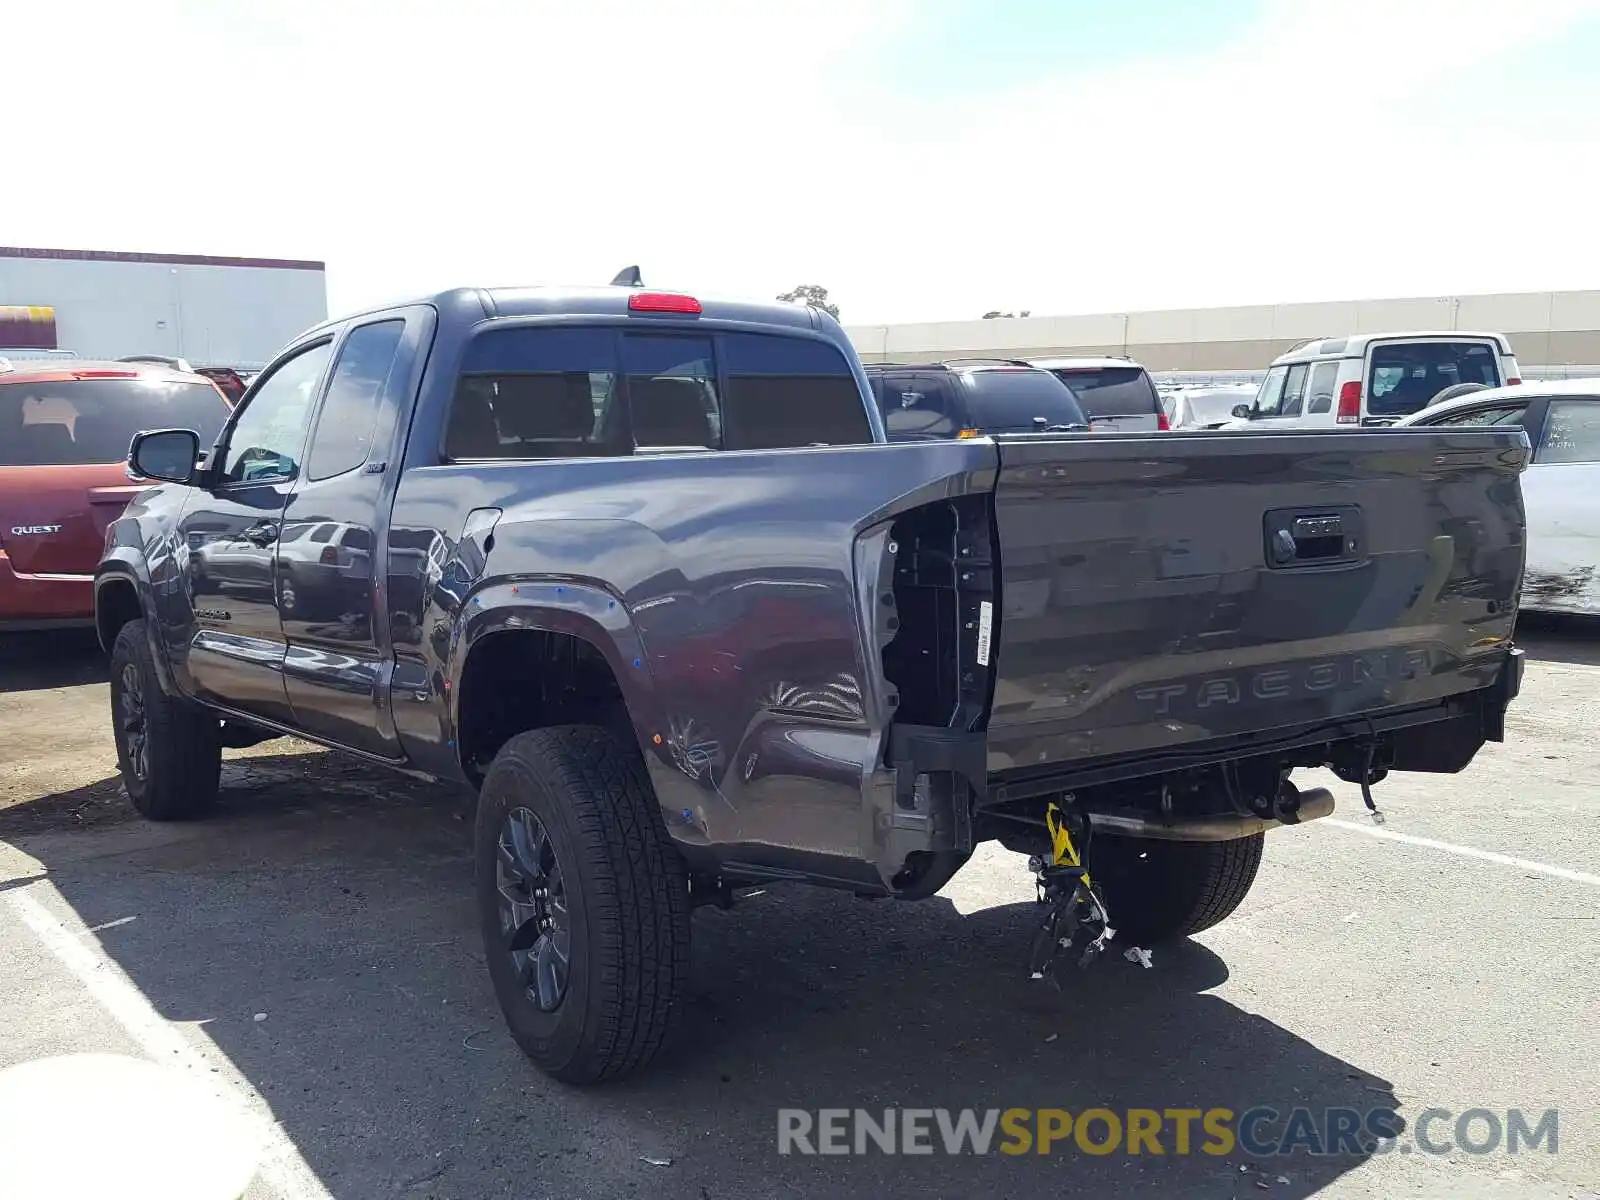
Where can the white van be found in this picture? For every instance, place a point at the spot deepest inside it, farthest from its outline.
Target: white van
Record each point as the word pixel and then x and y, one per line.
pixel 1374 378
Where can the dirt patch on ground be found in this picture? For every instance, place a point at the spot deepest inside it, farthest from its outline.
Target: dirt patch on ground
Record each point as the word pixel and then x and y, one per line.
pixel 60 763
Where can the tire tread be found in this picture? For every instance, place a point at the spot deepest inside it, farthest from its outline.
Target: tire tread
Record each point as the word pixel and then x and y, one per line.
pixel 638 905
pixel 1179 889
pixel 1227 875
pixel 184 746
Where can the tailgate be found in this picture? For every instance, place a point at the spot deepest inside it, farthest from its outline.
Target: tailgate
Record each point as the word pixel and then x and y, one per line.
pixel 53 519
pixel 1162 591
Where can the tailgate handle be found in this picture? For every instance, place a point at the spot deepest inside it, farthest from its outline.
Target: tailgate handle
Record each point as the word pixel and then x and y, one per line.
pixel 1304 539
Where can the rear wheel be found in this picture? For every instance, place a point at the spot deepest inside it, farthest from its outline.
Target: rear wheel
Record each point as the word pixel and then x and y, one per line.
pixel 169 751
pixel 583 902
pixel 1157 890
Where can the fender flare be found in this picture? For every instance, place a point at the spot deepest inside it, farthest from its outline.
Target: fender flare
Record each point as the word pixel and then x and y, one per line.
pixel 582 610
pixel 122 566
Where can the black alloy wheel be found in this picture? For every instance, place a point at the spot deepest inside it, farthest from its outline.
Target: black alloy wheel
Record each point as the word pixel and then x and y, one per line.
pixel 533 909
pixel 132 722
pixel 168 749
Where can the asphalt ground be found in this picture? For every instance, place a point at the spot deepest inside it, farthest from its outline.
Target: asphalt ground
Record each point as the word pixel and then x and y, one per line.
pixel 312 953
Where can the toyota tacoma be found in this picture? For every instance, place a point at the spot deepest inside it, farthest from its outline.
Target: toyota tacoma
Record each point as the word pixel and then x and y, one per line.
pixel 645 573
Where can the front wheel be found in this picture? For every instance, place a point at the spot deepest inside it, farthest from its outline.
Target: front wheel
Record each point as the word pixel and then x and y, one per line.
pixel 1156 890
pixel 169 751
pixel 583 902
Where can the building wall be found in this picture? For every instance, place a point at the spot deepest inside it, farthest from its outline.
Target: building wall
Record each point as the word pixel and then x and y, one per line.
pixel 211 311
pixel 1544 328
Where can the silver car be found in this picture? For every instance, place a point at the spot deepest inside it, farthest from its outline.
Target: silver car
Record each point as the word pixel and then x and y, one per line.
pixel 1116 394
pixel 1560 489
pixel 1205 407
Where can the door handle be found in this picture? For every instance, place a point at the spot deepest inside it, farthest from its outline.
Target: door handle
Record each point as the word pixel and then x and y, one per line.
pixel 261 535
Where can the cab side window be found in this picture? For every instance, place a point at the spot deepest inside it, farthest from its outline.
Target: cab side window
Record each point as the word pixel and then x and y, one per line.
pixel 265 441
pixel 342 439
pixel 1319 394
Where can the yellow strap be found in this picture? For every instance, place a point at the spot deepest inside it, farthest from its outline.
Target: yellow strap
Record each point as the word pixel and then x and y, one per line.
pixel 1063 852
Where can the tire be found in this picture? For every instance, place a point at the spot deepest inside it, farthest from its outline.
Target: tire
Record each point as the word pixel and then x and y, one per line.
pixel 1159 890
pixel 615 886
pixel 168 750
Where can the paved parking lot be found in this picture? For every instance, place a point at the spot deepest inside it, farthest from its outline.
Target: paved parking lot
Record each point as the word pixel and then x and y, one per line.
pixel 333 903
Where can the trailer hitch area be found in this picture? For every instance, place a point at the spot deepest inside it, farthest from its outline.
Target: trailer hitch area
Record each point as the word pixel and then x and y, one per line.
pixel 1075 926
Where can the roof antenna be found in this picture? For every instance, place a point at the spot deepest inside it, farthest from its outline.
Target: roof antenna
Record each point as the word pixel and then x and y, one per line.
pixel 628 277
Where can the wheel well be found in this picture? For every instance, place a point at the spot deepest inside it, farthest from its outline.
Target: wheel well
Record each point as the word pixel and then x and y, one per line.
pixel 518 680
pixel 115 604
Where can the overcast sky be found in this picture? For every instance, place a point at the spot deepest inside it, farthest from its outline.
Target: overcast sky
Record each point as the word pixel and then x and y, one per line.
pixel 923 160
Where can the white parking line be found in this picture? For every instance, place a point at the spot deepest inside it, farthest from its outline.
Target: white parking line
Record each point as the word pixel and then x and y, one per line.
pixel 1504 860
pixel 282 1168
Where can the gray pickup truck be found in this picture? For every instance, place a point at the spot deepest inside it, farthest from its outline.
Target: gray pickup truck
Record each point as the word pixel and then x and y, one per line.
pixel 645 574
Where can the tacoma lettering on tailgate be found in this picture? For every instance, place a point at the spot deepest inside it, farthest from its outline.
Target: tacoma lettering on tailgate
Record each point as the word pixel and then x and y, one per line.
pixel 1279 683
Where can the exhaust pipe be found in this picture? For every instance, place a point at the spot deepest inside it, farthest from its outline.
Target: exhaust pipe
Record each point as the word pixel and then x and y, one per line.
pixel 1315 803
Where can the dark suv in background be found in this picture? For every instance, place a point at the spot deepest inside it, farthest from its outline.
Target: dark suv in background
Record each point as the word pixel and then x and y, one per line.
pixel 970 397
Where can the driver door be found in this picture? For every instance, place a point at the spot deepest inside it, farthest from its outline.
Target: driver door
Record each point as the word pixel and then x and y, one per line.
pixel 231 528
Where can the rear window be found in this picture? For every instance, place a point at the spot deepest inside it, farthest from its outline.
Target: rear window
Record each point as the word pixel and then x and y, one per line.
pixel 1406 375
pixel 784 391
pixel 573 392
pixel 1111 391
pixel 1017 399
pixel 80 421
pixel 918 405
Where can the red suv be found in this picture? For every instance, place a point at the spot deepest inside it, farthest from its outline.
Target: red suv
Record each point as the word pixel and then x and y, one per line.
pixel 64 434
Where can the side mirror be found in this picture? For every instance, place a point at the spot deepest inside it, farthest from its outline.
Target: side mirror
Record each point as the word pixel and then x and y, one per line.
pixel 1243 411
pixel 165 454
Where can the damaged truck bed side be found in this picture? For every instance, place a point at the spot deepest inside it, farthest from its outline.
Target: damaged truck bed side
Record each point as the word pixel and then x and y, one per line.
pixel 645 574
